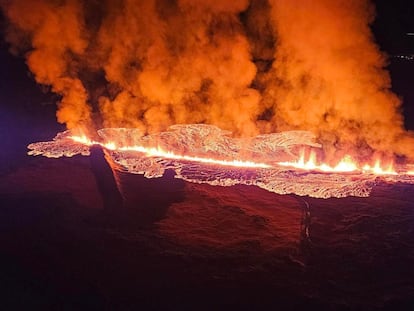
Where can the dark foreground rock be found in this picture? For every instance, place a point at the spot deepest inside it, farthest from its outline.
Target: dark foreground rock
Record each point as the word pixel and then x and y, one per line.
pixel 204 248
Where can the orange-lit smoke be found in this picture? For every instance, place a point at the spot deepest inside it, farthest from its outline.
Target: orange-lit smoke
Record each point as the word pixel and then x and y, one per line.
pixel 185 61
pixel 147 64
pixel 250 67
pixel 56 39
pixel 328 77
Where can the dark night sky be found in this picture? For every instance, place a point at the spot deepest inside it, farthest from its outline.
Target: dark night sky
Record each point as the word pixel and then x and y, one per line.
pixel 394 20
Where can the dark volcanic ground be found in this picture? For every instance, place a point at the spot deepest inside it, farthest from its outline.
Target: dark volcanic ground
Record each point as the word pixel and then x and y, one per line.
pixel 66 244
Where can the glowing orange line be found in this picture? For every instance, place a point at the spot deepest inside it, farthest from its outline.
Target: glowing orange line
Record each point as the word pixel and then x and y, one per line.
pixel 158 152
pixel 345 165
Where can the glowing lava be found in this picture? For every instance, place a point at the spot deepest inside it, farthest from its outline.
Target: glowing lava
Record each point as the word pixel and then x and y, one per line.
pixel 206 156
pixel 346 164
pixel 159 152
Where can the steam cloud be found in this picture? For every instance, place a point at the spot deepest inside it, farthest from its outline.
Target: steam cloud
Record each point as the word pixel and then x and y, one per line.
pixel 250 67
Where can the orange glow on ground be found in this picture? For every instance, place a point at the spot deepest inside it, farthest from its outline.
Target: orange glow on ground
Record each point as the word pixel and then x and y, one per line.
pixel 159 152
pixel 346 164
pixel 379 169
pixel 308 163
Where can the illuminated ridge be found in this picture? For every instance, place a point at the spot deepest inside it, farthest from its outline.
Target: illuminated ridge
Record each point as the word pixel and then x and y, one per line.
pixel 205 154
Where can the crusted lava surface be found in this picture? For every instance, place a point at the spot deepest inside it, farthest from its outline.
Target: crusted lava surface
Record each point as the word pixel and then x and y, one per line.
pixel 70 238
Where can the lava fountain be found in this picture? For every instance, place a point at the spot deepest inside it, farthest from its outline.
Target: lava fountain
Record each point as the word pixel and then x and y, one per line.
pixel 198 153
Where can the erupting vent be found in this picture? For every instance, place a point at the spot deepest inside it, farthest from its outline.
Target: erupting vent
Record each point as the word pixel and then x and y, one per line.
pixel 206 154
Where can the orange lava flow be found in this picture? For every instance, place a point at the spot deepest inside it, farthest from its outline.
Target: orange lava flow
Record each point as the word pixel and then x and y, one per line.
pixel 159 152
pixel 309 163
pixel 346 164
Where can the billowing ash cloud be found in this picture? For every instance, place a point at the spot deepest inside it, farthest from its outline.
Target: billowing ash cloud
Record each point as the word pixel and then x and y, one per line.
pixel 250 67
pixel 328 77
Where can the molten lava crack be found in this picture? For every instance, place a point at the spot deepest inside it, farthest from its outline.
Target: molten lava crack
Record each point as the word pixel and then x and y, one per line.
pixel 206 154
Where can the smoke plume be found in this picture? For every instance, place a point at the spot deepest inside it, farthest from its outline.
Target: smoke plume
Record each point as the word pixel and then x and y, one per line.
pixel 250 67
pixel 328 77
